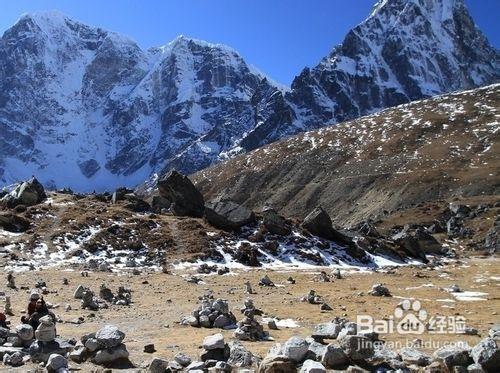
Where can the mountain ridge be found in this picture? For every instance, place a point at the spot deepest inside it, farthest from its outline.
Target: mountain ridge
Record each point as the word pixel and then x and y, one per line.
pixel 89 109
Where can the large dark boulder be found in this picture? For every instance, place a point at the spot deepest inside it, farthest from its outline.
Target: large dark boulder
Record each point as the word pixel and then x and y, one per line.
pixel 28 193
pixel 13 223
pixel 274 223
pixel 319 223
pixel 186 199
pixel 159 203
pixel 417 243
pixel 227 214
pixel 427 243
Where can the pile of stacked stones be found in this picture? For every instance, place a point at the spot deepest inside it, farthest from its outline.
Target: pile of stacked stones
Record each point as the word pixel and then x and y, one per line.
pixel 379 290
pixel 216 356
pixel 249 329
pixel 103 347
pixel 42 346
pixel 24 344
pixel 211 314
pixel 122 298
pixel 312 298
pixel 90 302
pixel 362 351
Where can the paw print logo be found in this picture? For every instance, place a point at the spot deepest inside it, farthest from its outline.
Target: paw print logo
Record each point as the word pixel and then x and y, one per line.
pixel 411 317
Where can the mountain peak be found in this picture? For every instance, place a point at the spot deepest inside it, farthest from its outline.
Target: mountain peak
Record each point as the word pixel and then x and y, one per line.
pixel 47 19
pixel 183 41
pixel 443 7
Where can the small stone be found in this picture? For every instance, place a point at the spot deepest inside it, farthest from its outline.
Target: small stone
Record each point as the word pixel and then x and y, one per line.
pixel 325 307
pixel 271 324
pixel 158 365
pixel 149 348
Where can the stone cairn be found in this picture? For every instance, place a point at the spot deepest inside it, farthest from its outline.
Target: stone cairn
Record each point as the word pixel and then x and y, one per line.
pixel 249 329
pixel 337 274
pixel 8 306
pixel 379 290
pixel 211 314
pixel 312 298
pixel 248 288
pixel 88 300
pixel 103 347
pixel 123 297
pixel 11 281
pixel 91 302
pixel 215 349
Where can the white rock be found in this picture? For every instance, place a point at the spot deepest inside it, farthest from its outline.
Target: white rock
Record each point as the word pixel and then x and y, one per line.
pixel 311 366
pixel 213 342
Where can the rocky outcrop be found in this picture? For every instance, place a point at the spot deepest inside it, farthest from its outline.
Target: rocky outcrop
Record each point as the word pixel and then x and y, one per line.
pixel 185 199
pixel 27 193
pixel 319 223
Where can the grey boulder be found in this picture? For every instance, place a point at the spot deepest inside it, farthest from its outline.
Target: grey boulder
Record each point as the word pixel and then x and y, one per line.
pixel 357 347
pixel 56 363
pixel 227 214
pixel 213 342
pixel 109 336
pixel 487 354
pixel 295 349
pixel 110 355
pixel 334 356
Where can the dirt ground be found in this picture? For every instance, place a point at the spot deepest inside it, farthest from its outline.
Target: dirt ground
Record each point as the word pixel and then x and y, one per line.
pixel 161 299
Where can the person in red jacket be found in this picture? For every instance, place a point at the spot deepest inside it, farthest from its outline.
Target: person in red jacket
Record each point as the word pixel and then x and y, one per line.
pixel 3 321
pixel 31 307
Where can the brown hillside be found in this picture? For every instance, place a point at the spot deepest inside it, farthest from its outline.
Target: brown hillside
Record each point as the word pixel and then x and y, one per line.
pixel 430 150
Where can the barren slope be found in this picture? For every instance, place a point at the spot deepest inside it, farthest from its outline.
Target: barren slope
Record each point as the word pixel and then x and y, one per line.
pixel 425 151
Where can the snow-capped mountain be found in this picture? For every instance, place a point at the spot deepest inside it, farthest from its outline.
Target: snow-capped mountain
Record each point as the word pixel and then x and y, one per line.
pixel 89 109
pixel 405 50
pixel 86 108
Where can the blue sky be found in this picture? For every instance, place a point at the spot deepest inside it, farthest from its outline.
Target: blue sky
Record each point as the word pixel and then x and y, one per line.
pixel 280 37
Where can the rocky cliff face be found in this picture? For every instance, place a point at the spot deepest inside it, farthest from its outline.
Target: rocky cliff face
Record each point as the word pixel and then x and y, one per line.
pixel 405 50
pixel 89 109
